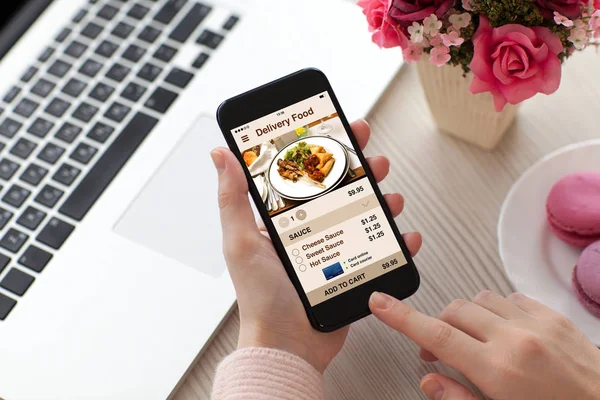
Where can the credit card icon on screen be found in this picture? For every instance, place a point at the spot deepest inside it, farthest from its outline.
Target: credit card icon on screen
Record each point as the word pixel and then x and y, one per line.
pixel 333 270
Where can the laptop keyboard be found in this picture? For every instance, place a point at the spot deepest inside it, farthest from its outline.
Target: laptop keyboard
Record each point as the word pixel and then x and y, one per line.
pixel 78 114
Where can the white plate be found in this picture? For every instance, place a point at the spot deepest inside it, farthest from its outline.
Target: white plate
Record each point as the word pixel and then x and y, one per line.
pixel 305 191
pixel 536 262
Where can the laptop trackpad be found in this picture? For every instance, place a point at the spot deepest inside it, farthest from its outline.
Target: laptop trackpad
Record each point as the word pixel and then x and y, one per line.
pixel 176 213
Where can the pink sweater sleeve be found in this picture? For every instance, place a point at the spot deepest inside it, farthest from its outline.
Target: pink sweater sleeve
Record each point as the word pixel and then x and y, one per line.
pixel 266 374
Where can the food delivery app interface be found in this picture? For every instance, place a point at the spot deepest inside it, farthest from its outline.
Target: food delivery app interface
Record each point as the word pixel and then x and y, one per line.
pixel 319 198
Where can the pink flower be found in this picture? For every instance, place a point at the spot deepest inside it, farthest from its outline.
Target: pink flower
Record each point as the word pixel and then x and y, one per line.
pixel 440 55
pixel 452 39
pixel 569 8
pixel 468 6
pixel 595 20
pixel 460 21
pixel 436 41
pixel 562 20
pixel 412 53
pixel 597 4
pixel 579 38
pixel 515 63
pixel 386 33
pixel 432 25
pixel 408 11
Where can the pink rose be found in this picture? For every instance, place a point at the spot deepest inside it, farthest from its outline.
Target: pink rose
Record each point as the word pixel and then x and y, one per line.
pixel 515 63
pixel 386 33
pixel 597 4
pixel 569 8
pixel 408 11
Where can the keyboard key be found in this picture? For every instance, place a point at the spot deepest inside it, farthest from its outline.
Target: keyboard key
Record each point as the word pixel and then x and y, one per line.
pixel 210 39
pixel 102 92
pixel 77 18
pixel 59 68
pixel 29 74
pixel 85 112
pixel 68 132
pixel 46 54
pixel 108 12
pixel 108 166
pixel 138 11
pixel 149 34
pixel 161 100
pixel 76 49
pixel 13 240
pixel 106 49
pixel 23 148
pixel 58 107
pixel 26 108
pixel 17 281
pixel 16 196
pixel 122 30
pixel 43 88
pixel 165 53
pixel 49 196
pixel 118 72
pixel 51 153
pixel 134 53
pixel 6 306
pixel 5 216
pixel 40 127
pixel 90 68
pixel 74 87
pixel 12 93
pixel 190 22
pixel 66 174
pixel 31 218
pixel 9 127
pixel 179 77
pixel 83 153
pixel 117 112
pixel 201 60
pixel 230 23
pixel 149 72
pixel 63 35
pixel 55 233
pixel 34 174
pixel 91 30
pixel 169 11
pixel 35 258
pixel 4 261
pixel 133 92
pixel 8 168
pixel 100 132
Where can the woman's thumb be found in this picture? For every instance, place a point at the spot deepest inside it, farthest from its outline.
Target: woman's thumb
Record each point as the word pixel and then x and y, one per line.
pixel 237 217
pixel 440 387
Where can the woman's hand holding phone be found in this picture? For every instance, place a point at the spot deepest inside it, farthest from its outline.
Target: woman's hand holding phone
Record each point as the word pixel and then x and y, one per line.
pixel 512 348
pixel 271 312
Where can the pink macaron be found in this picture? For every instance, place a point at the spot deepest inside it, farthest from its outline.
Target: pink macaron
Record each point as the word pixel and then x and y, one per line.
pixel 586 278
pixel 573 208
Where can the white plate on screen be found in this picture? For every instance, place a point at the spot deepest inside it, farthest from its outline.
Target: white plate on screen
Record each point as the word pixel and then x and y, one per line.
pixel 536 262
pixel 305 191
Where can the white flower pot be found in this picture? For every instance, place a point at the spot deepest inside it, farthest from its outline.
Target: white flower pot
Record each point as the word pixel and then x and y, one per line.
pixel 459 113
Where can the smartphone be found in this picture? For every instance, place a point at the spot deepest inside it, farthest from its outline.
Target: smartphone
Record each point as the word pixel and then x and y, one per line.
pixel 318 198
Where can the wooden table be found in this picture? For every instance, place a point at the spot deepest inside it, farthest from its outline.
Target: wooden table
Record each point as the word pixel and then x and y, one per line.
pixel 453 196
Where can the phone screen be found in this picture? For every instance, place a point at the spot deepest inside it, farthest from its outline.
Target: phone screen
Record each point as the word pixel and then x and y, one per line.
pixel 321 202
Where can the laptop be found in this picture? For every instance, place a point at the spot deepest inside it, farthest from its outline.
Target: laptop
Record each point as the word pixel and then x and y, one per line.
pixel 112 279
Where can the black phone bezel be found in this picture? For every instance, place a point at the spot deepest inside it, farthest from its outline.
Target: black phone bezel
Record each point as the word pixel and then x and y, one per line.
pixel 352 305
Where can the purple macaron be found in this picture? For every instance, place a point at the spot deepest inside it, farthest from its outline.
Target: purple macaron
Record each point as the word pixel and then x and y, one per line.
pixel 573 208
pixel 586 278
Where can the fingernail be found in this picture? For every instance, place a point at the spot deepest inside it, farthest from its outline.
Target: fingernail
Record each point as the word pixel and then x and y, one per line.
pixel 381 301
pixel 433 389
pixel 218 160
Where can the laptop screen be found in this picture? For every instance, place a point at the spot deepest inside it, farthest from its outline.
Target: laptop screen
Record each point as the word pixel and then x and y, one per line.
pixel 16 17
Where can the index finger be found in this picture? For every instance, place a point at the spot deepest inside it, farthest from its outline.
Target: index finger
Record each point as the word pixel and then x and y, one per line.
pixel 361 131
pixel 450 345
